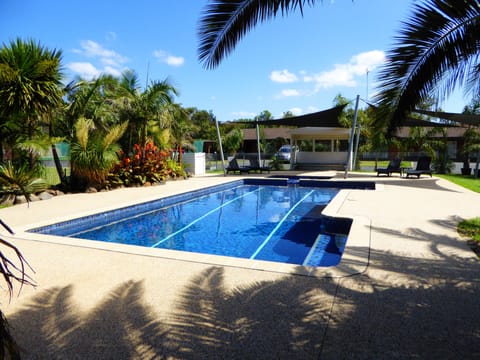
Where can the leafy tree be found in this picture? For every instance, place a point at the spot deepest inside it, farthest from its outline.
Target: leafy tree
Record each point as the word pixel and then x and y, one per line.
pixel 472 136
pixel 233 140
pixel 436 51
pixel 30 88
pixel 204 122
pixel 142 107
pixel 264 116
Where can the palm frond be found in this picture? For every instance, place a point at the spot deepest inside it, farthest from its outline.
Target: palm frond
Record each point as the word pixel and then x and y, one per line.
pixel 114 134
pixel 436 51
pixel 82 130
pixel 224 23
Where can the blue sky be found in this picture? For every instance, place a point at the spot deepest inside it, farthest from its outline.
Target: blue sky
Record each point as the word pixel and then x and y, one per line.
pixel 293 63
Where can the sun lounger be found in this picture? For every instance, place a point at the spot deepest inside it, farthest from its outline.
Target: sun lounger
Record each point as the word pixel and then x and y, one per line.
pixel 255 165
pixel 423 167
pixel 393 166
pixel 234 167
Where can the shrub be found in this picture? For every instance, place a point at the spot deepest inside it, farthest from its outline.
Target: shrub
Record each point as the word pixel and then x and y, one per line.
pixel 20 180
pixel 148 164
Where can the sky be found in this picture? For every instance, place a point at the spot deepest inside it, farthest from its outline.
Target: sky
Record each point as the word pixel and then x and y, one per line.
pixel 294 63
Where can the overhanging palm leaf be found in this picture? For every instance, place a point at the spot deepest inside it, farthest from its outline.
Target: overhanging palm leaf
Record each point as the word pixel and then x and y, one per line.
pixel 225 22
pixel 437 50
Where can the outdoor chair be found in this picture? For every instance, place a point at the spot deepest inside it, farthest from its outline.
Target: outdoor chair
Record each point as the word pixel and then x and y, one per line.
pixel 255 165
pixel 423 167
pixel 234 167
pixel 393 166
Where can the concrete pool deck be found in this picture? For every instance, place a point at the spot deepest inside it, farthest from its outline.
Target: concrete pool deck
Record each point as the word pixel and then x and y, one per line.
pixel 412 292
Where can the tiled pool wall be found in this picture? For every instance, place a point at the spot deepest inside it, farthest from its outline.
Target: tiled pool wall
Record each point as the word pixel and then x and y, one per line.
pixel 87 222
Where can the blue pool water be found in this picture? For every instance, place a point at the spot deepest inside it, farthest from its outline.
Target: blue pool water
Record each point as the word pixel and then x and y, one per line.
pixel 264 222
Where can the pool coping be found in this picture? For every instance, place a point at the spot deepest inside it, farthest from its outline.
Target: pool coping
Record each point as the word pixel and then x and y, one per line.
pixel 354 259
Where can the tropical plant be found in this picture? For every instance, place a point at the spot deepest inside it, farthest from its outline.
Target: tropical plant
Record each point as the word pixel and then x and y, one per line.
pixel 141 108
pixel 30 86
pixel 436 51
pixel 225 22
pixel 144 165
pixel 12 272
pixel 20 180
pixel 233 140
pixel 471 137
pixel 93 154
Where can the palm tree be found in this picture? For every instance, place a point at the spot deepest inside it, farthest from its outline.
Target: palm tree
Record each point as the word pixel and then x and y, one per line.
pixel 436 51
pixel 139 108
pixel 225 22
pixel 93 154
pixel 30 85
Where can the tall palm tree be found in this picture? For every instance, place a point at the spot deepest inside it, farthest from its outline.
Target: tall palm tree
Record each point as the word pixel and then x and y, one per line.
pixel 30 84
pixel 436 51
pixel 141 107
pixel 225 22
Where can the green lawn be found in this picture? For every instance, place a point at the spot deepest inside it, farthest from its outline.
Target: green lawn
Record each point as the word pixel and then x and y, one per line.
pixel 51 175
pixel 468 182
pixel 470 227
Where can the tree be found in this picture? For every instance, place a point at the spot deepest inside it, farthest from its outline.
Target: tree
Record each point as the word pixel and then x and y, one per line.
pixel 233 140
pixel 204 122
pixel 93 154
pixel 225 22
pixel 141 107
pixel 30 79
pixel 436 51
pixel 471 136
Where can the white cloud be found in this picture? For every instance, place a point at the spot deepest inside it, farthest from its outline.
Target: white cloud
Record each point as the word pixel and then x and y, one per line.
pixel 290 92
pixel 88 71
pixel 108 62
pixel 346 74
pixel 243 115
pixel 111 61
pixel 112 71
pixel 296 111
pixel 283 76
pixel 168 58
pixel 85 69
pixel 93 49
pixel 312 109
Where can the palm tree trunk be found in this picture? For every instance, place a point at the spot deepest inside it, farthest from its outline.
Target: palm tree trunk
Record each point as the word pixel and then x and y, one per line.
pixel 58 164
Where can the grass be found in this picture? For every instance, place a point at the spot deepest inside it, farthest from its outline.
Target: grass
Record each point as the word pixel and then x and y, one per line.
pixel 468 182
pixel 381 163
pixel 470 227
pixel 51 176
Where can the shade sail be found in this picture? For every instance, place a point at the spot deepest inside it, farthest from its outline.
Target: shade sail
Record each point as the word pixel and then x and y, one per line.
pixel 325 118
pixel 412 122
pixel 469 119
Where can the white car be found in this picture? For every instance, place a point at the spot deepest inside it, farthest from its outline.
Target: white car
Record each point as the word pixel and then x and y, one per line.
pixel 284 153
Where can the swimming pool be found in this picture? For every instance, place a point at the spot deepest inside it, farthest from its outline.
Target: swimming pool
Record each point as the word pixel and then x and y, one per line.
pixel 262 221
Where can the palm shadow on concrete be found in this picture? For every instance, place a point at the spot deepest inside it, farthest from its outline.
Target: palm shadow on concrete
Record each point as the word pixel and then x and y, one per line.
pixel 52 326
pixel 400 307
